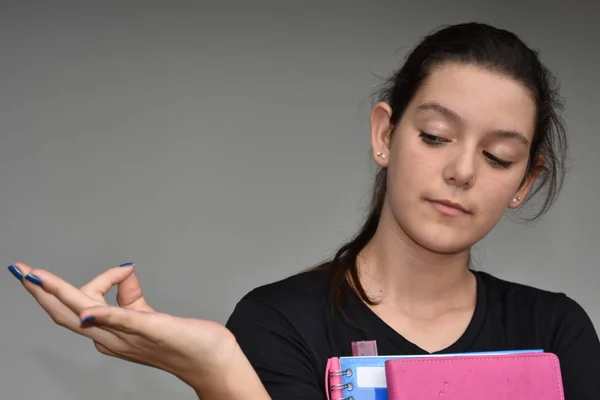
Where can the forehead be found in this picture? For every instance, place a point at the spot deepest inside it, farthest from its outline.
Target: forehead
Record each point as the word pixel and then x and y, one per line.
pixel 483 99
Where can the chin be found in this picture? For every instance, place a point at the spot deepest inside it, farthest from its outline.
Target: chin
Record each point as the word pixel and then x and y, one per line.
pixel 449 248
pixel 441 241
pixel 435 233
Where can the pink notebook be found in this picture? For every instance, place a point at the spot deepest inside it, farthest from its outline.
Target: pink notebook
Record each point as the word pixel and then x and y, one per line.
pixel 529 376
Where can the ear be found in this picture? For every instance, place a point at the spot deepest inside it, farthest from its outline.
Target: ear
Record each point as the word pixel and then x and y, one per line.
pixel 381 132
pixel 528 182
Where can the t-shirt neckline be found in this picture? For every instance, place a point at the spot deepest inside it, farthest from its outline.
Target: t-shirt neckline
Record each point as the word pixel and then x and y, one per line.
pixel 397 341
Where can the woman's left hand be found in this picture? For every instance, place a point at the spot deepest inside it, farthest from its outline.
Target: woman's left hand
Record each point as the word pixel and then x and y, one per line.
pixel 194 350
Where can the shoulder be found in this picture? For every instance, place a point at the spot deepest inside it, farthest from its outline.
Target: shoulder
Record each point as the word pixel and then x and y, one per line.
pixel 300 300
pixel 305 288
pixel 505 291
pixel 281 328
pixel 556 322
pixel 554 313
pixel 309 283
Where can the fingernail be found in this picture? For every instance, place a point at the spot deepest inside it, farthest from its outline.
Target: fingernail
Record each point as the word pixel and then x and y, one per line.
pixel 127 264
pixel 33 279
pixel 91 318
pixel 16 272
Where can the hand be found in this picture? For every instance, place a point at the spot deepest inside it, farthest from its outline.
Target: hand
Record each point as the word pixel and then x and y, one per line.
pixel 194 350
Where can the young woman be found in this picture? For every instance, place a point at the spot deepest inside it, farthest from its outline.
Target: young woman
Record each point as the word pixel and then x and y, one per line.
pixel 467 128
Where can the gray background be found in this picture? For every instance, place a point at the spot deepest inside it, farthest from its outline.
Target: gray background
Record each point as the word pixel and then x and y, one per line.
pixel 225 146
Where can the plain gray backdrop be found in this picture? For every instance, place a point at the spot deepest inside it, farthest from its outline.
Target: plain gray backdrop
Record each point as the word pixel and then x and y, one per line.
pixel 224 145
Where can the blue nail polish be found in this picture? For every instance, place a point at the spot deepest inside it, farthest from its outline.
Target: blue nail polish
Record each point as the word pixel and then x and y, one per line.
pixel 15 271
pixel 91 318
pixel 33 279
pixel 127 264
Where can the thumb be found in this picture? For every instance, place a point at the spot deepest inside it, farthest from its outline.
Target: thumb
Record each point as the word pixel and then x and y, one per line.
pixel 102 283
pixel 130 294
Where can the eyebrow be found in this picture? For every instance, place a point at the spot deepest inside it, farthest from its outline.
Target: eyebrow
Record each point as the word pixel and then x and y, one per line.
pixel 511 135
pixel 440 109
pixel 453 116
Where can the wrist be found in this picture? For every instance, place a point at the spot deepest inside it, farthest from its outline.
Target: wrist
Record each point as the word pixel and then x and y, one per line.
pixel 217 378
pixel 203 371
pixel 231 378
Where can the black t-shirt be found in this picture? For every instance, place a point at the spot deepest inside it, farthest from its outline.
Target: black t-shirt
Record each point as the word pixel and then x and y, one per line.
pixel 288 330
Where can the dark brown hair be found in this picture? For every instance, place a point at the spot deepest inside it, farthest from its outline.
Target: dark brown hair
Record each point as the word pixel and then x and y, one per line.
pixel 491 48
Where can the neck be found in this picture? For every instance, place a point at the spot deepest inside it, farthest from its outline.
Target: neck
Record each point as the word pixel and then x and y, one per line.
pixel 400 273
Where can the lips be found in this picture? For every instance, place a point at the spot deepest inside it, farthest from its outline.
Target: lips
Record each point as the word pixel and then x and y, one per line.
pixel 448 207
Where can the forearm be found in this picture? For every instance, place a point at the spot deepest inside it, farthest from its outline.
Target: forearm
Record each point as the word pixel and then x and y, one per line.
pixel 238 381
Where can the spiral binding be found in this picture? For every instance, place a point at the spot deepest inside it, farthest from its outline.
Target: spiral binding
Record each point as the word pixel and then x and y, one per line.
pixel 341 386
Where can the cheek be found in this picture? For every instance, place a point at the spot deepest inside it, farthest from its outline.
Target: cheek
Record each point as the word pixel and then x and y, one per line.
pixel 495 198
pixel 412 166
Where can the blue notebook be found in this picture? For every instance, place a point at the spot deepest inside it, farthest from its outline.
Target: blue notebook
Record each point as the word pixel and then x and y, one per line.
pixel 363 378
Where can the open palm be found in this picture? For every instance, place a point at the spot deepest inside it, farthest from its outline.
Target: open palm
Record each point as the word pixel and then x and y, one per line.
pixel 133 331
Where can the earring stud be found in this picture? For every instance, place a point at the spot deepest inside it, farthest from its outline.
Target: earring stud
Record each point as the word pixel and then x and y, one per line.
pixel 517 198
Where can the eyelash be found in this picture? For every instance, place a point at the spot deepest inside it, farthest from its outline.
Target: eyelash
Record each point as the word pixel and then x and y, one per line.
pixel 437 141
pixel 432 140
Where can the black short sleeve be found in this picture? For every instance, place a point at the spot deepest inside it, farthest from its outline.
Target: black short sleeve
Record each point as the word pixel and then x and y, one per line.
pixel 276 350
pixel 578 348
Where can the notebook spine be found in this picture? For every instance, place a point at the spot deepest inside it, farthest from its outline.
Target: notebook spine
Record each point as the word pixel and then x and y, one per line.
pixel 336 386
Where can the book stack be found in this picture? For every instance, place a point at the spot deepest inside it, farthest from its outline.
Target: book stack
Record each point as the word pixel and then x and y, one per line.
pixel 500 375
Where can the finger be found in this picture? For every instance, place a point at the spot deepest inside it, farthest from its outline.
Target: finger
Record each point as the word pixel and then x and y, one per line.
pixel 66 293
pixel 59 313
pixel 130 294
pixel 102 283
pixel 149 325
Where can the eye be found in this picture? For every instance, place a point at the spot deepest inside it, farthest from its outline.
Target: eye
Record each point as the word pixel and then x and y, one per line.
pixel 496 162
pixel 432 140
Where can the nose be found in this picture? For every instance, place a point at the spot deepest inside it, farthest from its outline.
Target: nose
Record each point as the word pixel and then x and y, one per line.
pixel 460 170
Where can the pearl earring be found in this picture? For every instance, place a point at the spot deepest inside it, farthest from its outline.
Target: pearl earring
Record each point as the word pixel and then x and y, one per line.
pixel 516 199
pixel 380 154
